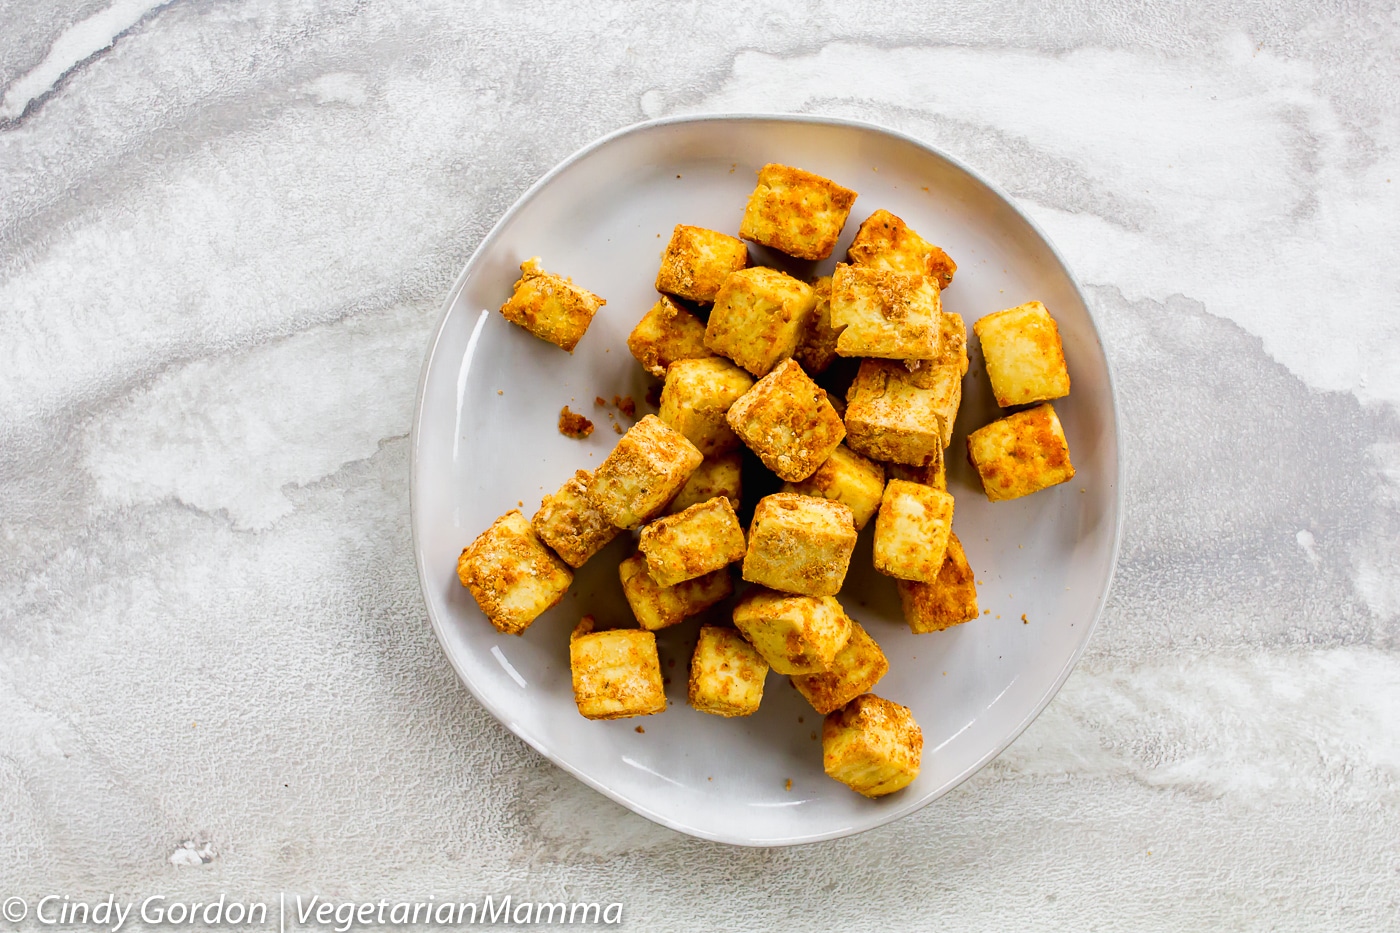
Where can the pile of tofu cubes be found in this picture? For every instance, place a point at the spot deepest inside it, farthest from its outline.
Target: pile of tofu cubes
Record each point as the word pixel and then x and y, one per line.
pixel 744 377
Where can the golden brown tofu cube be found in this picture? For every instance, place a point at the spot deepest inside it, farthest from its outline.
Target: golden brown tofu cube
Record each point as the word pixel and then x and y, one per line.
pixel 512 576
pixel 886 242
pixel 722 475
pixel 697 261
pixel 1020 454
pixel 817 351
pixel 848 478
pixel 656 606
pixel 796 212
pixel 1025 360
pixel 872 745
pixel 950 600
pixel 617 673
pixel 788 421
pixel 795 634
pixel 911 531
pixel 550 306
pixel 890 417
pixel 759 318
pixel 856 668
pixel 643 473
pixel 695 542
pixel 697 395
pixel 726 673
pixel 569 524
pixel 952 342
pixel 892 315
pixel 665 334
pixel 932 474
pixel 800 544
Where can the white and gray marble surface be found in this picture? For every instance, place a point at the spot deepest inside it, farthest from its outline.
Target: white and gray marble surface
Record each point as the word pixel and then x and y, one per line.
pixel 225 232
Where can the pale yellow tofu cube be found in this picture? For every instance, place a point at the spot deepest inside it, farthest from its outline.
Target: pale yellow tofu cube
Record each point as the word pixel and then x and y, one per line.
pixel 885 241
pixel 800 544
pixel 643 473
pixel 569 524
pixel 848 478
pixel 1025 360
pixel 550 306
pixel 872 745
pixel 794 634
pixel 796 212
pixel 1021 453
pixel 933 474
pixel 911 531
pixel 890 417
pixel 942 385
pixel 697 261
pixel 721 475
pixel 892 315
pixel 856 668
pixel 665 334
pixel 947 601
pixel 697 395
pixel 616 673
pixel 657 607
pixel 788 421
pixel 817 351
pixel 512 576
pixel 700 540
pixel 726 673
pixel 952 342
pixel 759 318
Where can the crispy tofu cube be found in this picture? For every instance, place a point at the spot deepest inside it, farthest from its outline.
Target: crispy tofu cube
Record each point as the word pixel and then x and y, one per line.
pixel 700 540
pixel 697 261
pixel 759 318
pixel 952 342
pixel 656 606
pixel 643 473
pixel 1025 361
pixel 569 524
pixel 695 398
pixel 721 475
pixel 726 673
pixel 817 351
pixel 848 478
pixel 794 634
pixel 796 212
pixel 1020 454
pixel 893 315
pixel 872 745
pixel 512 576
pixel 788 421
pixel 665 334
pixel 890 416
pixel 947 601
pixel 886 242
pixel 932 474
pixel 617 673
pixel 911 531
pixel 550 306
pixel 800 544
pixel 856 668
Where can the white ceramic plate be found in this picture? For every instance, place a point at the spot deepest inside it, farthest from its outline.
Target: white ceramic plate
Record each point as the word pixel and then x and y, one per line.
pixel 485 438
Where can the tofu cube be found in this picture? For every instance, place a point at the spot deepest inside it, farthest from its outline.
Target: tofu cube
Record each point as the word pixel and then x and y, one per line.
pixel 932 474
pixel 569 524
pixel 657 607
pixel 800 544
pixel 550 306
pixel 872 745
pixel 665 334
pixel 512 576
pixel 794 634
pixel 788 421
pixel 1020 454
pixel 697 261
pixel 947 601
pixel 1025 360
pixel 643 473
pixel 891 417
pixel 952 342
pixel 848 478
pixel 726 673
pixel 700 540
pixel 721 475
pixel 817 350
pixel 893 315
pixel 759 318
pixel 856 668
pixel 796 212
pixel 616 673
pixel 911 531
pixel 697 395
pixel 886 242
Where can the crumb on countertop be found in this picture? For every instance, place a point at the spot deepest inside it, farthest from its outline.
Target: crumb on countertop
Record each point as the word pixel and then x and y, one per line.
pixel 600 401
pixel 572 424
pixel 640 731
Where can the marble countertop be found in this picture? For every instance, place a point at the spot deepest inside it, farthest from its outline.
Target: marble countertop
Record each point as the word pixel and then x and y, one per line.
pixel 225 232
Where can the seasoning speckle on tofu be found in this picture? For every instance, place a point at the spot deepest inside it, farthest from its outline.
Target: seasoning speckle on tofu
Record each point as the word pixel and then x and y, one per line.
pixel 572 424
